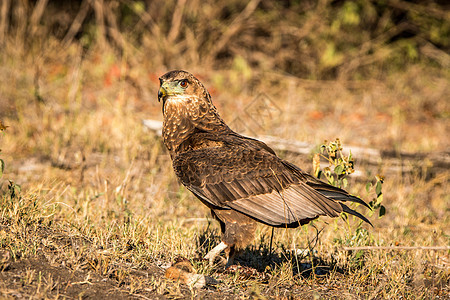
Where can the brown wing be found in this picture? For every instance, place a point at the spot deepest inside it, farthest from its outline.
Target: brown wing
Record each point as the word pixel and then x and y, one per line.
pixel 241 175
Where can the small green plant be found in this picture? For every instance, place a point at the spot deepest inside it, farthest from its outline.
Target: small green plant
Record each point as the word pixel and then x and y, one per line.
pixel 339 167
pixel 376 202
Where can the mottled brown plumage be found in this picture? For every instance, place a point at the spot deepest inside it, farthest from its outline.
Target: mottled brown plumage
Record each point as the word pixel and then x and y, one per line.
pixel 240 179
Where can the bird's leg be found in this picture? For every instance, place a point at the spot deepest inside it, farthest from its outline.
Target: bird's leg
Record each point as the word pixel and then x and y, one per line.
pixel 211 255
pixel 230 253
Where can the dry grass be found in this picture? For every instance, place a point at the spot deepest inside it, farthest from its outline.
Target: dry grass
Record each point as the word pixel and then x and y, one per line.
pixel 100 213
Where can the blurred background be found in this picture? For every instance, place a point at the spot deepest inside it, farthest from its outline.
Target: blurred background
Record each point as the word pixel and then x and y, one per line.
pixel 371 72
pixel 78 77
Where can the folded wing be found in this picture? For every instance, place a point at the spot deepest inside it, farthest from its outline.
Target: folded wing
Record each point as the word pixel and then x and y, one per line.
pixel 255 182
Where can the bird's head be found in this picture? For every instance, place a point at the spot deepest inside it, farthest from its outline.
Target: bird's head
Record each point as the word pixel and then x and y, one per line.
pixel 180 85
pixel 186 106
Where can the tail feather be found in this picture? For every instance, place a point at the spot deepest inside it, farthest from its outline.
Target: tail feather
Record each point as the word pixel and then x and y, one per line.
pixel 343 197
pixel 348 210
pixel 357 200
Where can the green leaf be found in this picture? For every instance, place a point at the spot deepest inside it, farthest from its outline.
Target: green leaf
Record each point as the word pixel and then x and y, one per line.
pixel 338 170
pixel 331 180
pixel 14 189
pixel 380 198
pixel 368 186
pixel 344 182
pixel 319 174
pixel 378 188
pixel 382 211
pixel 323 148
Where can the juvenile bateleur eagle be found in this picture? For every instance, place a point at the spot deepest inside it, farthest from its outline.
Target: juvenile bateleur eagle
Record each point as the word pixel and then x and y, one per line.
pixel 239 178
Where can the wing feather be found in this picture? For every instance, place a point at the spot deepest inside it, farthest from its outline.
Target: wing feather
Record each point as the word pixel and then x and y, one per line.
pixel 330 191
pixel 259 184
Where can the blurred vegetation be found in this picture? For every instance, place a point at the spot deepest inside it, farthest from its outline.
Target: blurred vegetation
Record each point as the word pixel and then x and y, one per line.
pixel 348 39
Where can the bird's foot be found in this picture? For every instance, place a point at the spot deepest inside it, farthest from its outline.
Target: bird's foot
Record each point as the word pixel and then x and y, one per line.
pixel 211 255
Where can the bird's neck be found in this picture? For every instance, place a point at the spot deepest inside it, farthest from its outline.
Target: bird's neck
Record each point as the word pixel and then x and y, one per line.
pixel 183 116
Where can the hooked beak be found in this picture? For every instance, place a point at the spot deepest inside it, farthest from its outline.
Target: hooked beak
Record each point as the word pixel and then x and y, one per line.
pixel 162 93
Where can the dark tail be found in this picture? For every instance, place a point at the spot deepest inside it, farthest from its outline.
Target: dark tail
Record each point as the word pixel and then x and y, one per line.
pixel 350 211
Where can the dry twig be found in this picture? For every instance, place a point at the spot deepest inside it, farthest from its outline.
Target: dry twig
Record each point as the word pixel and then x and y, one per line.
pixel 234 27
pixel 396 248
pixel 37 15
pixel 77 22
pixel 3 19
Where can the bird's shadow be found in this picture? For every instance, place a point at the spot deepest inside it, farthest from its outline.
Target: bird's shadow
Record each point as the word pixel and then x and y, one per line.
pixel 262 258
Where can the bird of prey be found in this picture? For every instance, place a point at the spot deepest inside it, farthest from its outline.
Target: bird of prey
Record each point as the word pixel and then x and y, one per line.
pixel 239 178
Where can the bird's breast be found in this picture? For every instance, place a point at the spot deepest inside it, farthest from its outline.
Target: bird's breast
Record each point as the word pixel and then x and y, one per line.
pixel 177 123
pixel 183 115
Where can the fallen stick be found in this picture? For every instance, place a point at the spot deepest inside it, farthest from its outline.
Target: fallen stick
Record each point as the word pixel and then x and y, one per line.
pixel 395 162
pixel 293 146
pixel 397 248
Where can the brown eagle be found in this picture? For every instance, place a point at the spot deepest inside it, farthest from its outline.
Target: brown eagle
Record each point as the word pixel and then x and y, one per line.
pixel 240 179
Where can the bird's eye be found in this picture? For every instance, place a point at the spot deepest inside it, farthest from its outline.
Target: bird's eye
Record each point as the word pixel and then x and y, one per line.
pixel 183 83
